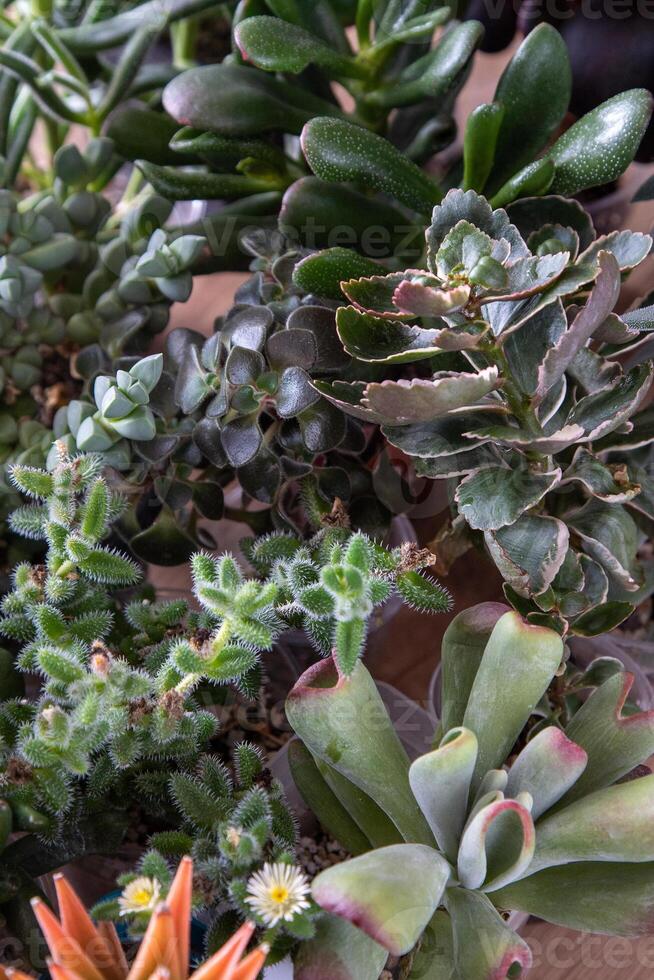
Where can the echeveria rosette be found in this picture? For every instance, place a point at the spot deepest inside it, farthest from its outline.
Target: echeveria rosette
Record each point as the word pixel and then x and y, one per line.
pixel 501 815
pixel 122 414
pixel 550 385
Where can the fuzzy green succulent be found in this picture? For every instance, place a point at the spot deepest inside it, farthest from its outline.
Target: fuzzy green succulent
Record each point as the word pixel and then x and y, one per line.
pixel 232 820
pixel 498 816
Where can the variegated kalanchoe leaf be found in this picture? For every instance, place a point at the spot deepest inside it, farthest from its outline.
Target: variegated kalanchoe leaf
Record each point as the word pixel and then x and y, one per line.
pixel 503 814
pixel 534 424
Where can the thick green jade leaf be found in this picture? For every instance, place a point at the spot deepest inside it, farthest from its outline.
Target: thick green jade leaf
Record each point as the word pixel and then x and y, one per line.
pixel 518 664
pixel 469 206
pixel 433 75
pixel 404 402
pixel 601 301
pixel 189 185
pixel 615 899
pixel 535 91
pixel 390 894
pixel 534 179
pixel 338 951
pixel 343 721
pixel 479 143
pixel 321 19
pixel 462 650
pixel 222 152
pixel 112 31
pixel 377 827
pixel 602 144
pixel 276 45
pixel 613 824
pixel 323 801
pixel 239 101
pixel 339 151
pixel 385 341
pixel 323 272
pixel 440 781
pixel 320 214
pixel 602 619
pixel 497 496
pixel 484 945
pixel 615 744
pixel 547 768
pixel 611 485
pixel 497 845
pixel 530 552
pixel 145 134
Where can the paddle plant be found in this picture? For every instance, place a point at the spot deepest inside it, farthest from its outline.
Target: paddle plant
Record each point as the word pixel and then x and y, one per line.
pixel 508 374
pixel 522 804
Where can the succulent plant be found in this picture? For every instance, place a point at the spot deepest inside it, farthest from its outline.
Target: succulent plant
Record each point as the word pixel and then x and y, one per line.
pixel 499 816
pixel 78 947
pixel 122 412
pixel 533 416
pixel 232 822
pixel 403 94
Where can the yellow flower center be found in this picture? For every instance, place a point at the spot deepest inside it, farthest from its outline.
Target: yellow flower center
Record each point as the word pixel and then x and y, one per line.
pixel 141 897
pixel 279 894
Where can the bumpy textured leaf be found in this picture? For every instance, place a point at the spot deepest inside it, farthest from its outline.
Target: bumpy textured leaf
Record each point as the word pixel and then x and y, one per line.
pixel 603 298
pixel 275 45
pixel 600 146
pixel 535 90
pixel 339 151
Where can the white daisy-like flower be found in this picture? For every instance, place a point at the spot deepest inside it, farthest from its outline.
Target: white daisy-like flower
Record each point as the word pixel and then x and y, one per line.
pixel 277 892
pixel 141 895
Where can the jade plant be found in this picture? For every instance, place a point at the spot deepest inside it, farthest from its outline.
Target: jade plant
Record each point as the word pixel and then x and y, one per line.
pixel 358 180
pixel 503 814
pixel 523 390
